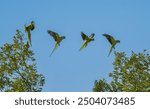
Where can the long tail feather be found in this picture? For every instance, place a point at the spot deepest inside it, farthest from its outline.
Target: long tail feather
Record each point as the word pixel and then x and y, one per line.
pixel 56 45
pixel 29 37
pixel 83 46
pixel 110 50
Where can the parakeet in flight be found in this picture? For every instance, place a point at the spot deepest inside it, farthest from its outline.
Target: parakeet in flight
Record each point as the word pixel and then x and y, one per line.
pixel 86 39
pixel 112 41
pixel 28 29
pixel 57 39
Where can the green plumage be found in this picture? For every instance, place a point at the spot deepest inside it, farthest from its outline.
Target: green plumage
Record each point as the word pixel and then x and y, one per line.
pixel 28 29
pixel 86 40
pixel 112 41
pixel 57 39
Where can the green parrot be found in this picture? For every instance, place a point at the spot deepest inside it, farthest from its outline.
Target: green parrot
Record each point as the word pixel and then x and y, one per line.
pixel 86 40
pixel 28 29
pixel 112 41
pixel 57 39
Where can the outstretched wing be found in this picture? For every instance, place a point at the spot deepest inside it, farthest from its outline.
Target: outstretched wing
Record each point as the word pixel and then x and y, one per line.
pixel 84 36
pixel 56 45
pixel 53 34
pixel 110 38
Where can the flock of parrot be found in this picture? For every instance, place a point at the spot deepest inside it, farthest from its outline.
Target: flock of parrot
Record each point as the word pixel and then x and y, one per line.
pixel 58 39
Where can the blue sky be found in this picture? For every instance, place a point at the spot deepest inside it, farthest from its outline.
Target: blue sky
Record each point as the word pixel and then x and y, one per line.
pixel 68 69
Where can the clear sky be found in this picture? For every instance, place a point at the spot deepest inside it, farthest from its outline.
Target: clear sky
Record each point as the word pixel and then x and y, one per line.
pixel 68 69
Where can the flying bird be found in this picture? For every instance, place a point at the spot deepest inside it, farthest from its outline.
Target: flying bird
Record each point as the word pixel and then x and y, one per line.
pixel 28 29
pixel 86 39
pixel 57 39
pixel 112 41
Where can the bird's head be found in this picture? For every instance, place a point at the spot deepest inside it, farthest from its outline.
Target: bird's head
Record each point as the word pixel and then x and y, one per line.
pixel 32 25
pixel 63 37
pixel 92 36
pixel 117 41
pixel 32 22
pixel 48 31
pixel 17 31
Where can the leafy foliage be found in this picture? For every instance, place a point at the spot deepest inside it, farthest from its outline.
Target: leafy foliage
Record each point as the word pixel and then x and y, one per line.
pixel 18 72
pixel 130 74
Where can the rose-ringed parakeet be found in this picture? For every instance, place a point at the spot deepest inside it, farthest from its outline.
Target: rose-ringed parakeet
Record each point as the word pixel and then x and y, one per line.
pixel 28 29
pixel 86 40
pixel 57 39
pixel 112 41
